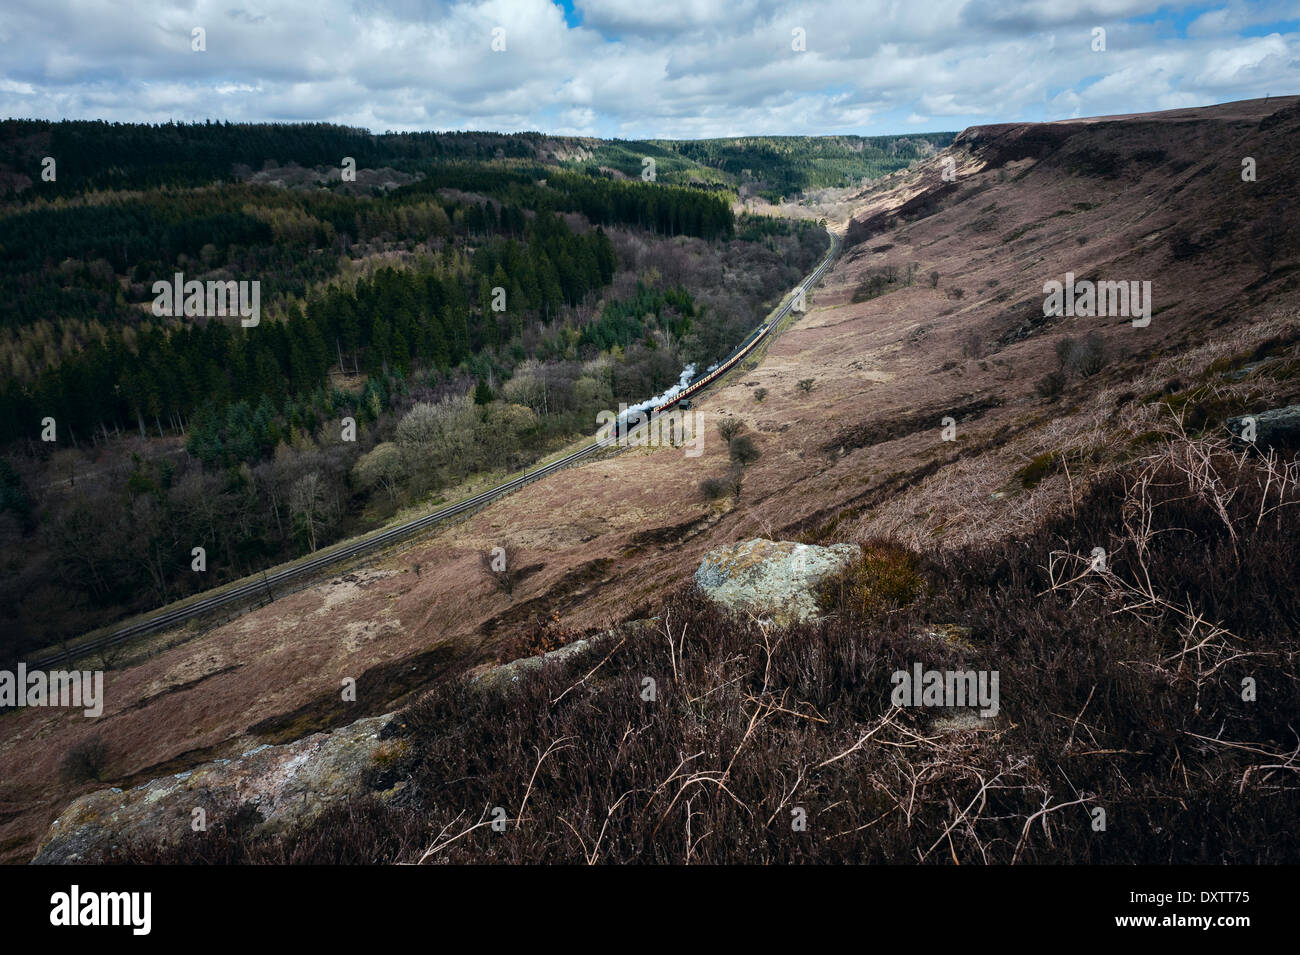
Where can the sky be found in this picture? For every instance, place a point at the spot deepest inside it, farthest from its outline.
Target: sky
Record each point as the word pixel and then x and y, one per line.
pixel 635 69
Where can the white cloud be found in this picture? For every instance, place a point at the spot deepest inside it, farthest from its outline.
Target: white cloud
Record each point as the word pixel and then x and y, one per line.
pixel 1245 63
pixel 672 68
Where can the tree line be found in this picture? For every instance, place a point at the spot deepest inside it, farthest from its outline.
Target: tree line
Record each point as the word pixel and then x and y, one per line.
pixel 96 155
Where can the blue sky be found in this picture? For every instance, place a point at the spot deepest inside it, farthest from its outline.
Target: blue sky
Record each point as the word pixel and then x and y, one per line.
pixel 572 15
pixel 639 68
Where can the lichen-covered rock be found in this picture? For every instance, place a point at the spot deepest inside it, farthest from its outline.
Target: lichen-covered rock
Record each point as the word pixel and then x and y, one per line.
pixel 270 789
pixel 774 580
pixel 1277 428
pixel 502 678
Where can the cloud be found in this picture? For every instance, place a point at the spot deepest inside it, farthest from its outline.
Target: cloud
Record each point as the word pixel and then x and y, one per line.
pixel 632 68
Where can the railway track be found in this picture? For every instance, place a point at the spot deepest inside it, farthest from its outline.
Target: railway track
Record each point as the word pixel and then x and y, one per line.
pixel 264 585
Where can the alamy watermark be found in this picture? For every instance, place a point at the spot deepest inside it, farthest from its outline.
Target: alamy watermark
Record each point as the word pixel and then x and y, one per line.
pixel 210 299
pixel 1088 299
pixel 675 428
pixel 127 909
pixel 74 688
pixel 946 688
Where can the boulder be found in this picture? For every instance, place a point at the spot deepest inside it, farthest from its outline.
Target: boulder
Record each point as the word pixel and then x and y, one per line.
pixel 269 789
pixel 954 719
pixel 1276 428
pixel 774 580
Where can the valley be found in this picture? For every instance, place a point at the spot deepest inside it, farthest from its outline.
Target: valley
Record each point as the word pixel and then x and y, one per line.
pixel 926 403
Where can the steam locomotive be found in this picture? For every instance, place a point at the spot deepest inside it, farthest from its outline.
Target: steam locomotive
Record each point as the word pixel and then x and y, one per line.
pixel 683 397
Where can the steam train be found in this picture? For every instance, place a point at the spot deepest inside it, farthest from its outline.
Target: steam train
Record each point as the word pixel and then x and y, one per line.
pixel 683 397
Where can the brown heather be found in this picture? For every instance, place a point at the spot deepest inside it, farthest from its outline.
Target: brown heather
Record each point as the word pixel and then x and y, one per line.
pixel 1121 689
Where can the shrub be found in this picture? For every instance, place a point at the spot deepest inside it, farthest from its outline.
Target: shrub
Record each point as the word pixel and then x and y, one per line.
pixel 876 283
pixel 734 481
pixel 805 385
pixel 502 565
pixel 713 487
pixel 1038 468
pixel 85 761
pixel 1091 356
pixel 934 279
pixel 742 450
pixel 885 578
pixel 1063 347
pixel 760 394
pixel 718 487
pixel 1084 358
pixel 1050 385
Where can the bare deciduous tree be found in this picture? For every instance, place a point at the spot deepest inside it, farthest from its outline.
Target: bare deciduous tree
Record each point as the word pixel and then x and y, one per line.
pixel 502 565
pixel 728 428
pixel 306 503
pixel 385 467
pixel 742 450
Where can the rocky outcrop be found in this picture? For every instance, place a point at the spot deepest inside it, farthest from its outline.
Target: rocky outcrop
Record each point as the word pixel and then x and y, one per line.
pixel 774 580
pixel 273 789
pixel 269 790
pixel 502 678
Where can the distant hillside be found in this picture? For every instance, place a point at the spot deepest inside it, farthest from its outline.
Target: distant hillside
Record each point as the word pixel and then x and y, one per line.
pixel 99 155
pixel 775 167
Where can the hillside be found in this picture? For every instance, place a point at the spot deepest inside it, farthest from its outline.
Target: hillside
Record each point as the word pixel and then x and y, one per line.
pixel 934 311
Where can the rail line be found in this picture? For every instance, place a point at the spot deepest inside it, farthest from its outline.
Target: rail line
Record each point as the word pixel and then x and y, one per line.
pixel 263 585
